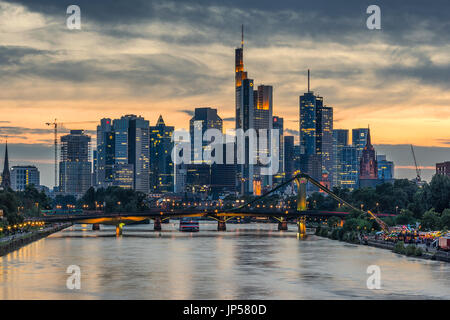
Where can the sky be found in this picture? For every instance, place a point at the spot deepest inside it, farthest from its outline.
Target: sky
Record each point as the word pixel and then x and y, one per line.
pixel 168 57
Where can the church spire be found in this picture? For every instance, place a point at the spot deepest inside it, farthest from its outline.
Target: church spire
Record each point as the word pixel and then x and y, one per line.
pixel 160 121
pixel 6 177
pixel 369 142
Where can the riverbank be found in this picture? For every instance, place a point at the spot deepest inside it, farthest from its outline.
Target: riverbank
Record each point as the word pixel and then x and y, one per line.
pixel 354 239
pixel 10 244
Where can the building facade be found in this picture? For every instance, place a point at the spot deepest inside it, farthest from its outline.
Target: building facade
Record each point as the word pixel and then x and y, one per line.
pixel 443 168
pixel 75 165
pixel 161 165
pixel 23 176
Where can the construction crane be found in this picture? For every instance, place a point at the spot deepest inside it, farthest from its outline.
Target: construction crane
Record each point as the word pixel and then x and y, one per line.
pixel 418 178
pixel 55 126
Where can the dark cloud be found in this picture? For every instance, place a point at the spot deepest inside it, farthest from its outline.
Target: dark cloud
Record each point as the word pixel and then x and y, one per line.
pixel 230 119
pixel 291 132
pixel 188 112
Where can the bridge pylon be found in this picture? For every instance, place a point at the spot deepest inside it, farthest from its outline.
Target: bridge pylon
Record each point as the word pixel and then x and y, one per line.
pixel 301 193
pixel 157 224
pixel 95 227
pixel 221 224
pixel 282 225
pixel 119 229
pixel 301 222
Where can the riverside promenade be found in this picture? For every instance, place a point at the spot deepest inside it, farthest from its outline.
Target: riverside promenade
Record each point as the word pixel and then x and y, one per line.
pixel 16 241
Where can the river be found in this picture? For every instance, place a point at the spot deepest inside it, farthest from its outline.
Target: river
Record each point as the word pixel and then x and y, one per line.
pixel 248 261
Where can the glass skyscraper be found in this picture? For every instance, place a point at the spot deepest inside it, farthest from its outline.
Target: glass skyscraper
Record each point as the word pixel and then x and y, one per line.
pixel 75 165
pixel 161 165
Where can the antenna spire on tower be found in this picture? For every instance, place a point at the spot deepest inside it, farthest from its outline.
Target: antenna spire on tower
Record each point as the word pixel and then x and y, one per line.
pixel 242 36
pixel 308 79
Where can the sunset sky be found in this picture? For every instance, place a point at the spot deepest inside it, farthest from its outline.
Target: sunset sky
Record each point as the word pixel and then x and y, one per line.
pixel 169 57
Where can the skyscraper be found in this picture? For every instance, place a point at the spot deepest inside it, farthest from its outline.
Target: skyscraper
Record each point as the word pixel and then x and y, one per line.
pixel 278 124
pixel 316 136
pixel 359 139
pixel 289 157
pixel 132 151
pixel 349 168
pixel 368 172
pixel 105 154
pixel 161 165
pixel 385 169
pixel 75 165
pixel 6 175
pixel 244 118
pixel 340 140
pixel 203 119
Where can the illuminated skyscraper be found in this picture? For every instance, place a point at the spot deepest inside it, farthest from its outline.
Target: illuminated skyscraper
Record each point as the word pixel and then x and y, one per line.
pixel 244 117
pixel 132 151
pixel 104 163
pixel 278 123
pixel 161 165
pixel 359 139
pixel 385 169
pixel 75 165
pixel 340 140
pixel 316 136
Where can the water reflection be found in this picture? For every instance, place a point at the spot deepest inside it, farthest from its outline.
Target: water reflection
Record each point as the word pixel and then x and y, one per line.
pixel 253 261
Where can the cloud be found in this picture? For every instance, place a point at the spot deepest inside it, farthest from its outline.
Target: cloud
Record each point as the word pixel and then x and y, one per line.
pixel 188 112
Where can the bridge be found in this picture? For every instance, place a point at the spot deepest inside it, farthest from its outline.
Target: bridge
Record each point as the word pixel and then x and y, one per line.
pixel 119 219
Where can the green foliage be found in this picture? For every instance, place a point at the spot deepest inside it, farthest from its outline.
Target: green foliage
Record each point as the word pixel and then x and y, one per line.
pixel 419 252
pixel 405 217
pixel 431 220
pixel 399 247
pixel 445 219
pixel 410 250
pixel 333 222
pixel 115 199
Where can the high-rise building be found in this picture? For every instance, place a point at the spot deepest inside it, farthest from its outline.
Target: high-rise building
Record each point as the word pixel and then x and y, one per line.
pixel 289 157
pixel 244 118
pixel 75 165
pixel 385 169
pixel 359 139
pixel 132 151
pixel 23 176
pixel 368 169
pixel 161 165
pixel 349 168
pixel 6 175
pixel 105 154
pixel 278 124
pixel 203 119
pixel 443 168
pixel 316 136
pixel 340 140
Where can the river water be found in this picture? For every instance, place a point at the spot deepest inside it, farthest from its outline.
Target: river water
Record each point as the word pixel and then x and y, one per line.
pixel 248 261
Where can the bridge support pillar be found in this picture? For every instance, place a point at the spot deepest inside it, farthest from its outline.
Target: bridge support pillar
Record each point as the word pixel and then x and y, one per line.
pixel 95 227
pixel 282 225
pixel 119 229
pixel 301 193
pixel 157 224
pixel 221 224
pixel 301 227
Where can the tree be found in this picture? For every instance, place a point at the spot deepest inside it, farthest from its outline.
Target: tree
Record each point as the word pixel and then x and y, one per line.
pixel 445 219
pixel 405 217
pixel 440 192
pixel 431 220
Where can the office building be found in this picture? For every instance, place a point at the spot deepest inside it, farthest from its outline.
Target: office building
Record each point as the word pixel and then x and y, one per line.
pixel 443 168
pixel 340 140
pixel 105 154
pixel 161 165
pixel 75 165
pixel 385 169
pixel 289 157
pixel 23 176
pixel 132 151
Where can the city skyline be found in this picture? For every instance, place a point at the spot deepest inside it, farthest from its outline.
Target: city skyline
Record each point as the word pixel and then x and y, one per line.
pixel 209 64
